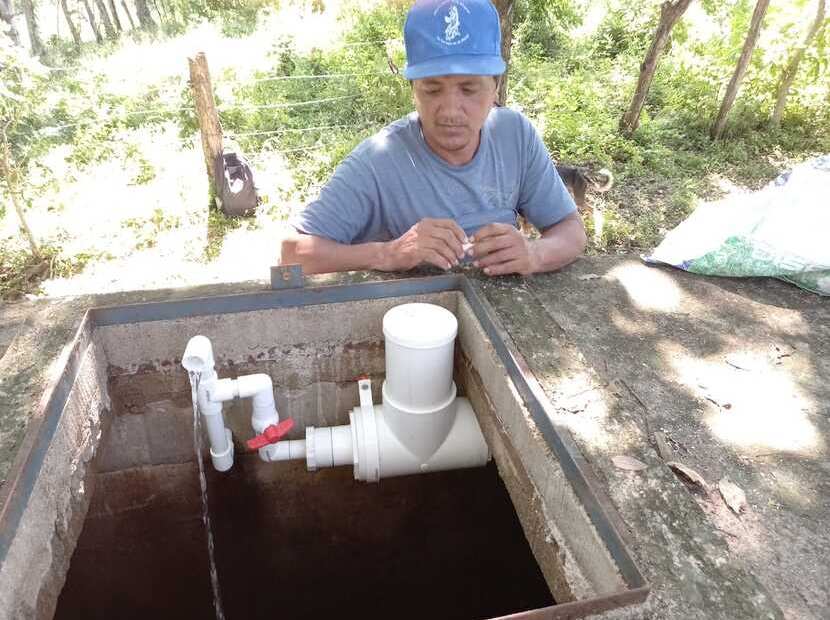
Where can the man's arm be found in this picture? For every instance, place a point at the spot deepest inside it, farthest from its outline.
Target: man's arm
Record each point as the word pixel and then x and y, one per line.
pixel 501 248
pixel 434 241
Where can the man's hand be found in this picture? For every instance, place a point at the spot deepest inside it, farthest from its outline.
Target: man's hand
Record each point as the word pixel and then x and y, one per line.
pixel 434 241
pixel 502 248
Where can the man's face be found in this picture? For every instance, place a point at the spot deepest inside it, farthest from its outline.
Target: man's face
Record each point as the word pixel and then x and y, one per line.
pixel 452 109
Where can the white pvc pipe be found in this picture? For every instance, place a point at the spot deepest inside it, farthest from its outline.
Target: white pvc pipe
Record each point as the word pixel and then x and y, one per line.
pixel 421 431
pixel 419 355
pixel 198 355
pixel 292 449
pixel 198 358
pixel 464 446
pixel 329 446
pixel 260 388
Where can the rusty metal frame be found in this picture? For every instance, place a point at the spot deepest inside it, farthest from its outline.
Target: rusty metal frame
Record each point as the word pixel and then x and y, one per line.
pixel 23 474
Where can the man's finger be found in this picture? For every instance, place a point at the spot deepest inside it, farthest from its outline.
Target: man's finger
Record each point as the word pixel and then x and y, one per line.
pixel 434 258
pixel 491 230
pixel 490 244
pixel 504 255
pixel 440 247
pixel 450 240
pixel 513 266
pixel 453 227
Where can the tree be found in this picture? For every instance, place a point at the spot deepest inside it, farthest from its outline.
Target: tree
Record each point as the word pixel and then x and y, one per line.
pixel 129 15
pixel 670 12
pixel 21 91
pixel 115 16
pixel 105 19
pixel 31 26
pixel 67 14
pixel 144 16
pixel 505 9
pixel 91 17
pixel 790 71
pixel 740 69
pixel 7 16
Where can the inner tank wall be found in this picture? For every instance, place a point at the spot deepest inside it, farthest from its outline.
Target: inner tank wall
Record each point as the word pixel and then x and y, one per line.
pixel 315 354
pixel 33 572
pixel 570 552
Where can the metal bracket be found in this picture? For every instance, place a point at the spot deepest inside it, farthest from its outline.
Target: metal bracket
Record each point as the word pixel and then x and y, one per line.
pixel 287 276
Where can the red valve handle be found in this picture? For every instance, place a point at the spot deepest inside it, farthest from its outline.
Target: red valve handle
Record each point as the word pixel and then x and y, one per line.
pixel 271 434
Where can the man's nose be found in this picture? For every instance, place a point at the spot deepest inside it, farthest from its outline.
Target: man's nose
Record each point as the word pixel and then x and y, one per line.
pixel 450 104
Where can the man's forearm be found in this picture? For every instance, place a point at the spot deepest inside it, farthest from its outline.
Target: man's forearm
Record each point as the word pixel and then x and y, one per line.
pixel 560 244
pixel 321 255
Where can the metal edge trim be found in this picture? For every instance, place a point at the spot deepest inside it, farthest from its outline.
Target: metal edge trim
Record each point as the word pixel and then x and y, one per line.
pixel 566 451
pixel 31 453
pixel 586 607
pixel 249 302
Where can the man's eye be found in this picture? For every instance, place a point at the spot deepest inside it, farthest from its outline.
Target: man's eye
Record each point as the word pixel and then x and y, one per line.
pixel 469 91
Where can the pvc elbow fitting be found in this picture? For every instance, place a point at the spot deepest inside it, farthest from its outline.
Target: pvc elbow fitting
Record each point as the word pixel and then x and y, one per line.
pixel 198 355
pixel 261 390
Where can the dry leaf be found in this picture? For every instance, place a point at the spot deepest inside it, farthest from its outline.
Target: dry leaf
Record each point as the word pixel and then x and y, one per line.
pixel 628 463
pixel 663 448
pixel 732 494
pixel 688 474
pixel 588 276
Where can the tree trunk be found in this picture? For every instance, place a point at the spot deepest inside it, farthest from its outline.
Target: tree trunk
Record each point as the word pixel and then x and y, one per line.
pixel 31 26
pixel 11 178
pixel 206 113
pixel 115 19
pixel 505 9
pixel 105 17
pixel 129 15
pixel 91 16
pixel 791 69
pixel 670 12
pixel 144 17
pixel 6 16
pixel 740 70
pixel 162 17
pixel 76 35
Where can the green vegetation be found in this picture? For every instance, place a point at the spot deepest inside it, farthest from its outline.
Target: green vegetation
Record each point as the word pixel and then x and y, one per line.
pixel 114 140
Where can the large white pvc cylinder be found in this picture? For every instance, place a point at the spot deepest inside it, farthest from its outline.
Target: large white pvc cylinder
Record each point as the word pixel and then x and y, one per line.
pixel 421 431
pixel 419 355
pixel 464 446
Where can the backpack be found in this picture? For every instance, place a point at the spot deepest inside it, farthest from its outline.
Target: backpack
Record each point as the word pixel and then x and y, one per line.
pixel 236 193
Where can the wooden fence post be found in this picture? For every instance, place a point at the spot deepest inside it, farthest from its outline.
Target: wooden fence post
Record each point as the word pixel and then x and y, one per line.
pixel 209 125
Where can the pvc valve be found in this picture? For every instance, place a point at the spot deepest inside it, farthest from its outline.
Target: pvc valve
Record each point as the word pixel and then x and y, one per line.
pixel 271 434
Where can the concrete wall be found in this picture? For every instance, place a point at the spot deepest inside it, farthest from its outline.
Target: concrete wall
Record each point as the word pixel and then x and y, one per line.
pixel 315 355
pixel 33 573
pixel 565 542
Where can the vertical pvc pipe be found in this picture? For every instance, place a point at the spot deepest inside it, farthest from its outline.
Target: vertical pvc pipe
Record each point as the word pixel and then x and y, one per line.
pixel 419 355
pixel 419 393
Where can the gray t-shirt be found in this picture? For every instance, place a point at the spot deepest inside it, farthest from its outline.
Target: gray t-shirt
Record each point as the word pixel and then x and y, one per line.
pixel 392 180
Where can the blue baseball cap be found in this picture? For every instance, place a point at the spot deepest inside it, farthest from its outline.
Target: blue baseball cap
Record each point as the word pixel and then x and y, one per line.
pixel 452 37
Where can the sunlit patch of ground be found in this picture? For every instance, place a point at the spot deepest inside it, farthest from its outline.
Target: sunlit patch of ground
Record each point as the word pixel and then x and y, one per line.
pixel 139 218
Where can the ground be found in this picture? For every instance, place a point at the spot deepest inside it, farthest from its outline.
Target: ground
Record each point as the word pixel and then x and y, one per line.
pixel 731 374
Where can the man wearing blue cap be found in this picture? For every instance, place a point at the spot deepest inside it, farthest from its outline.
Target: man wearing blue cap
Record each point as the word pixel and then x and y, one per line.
pixel 448 180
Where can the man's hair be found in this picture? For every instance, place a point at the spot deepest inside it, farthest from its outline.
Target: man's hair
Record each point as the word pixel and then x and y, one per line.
pixel 497 79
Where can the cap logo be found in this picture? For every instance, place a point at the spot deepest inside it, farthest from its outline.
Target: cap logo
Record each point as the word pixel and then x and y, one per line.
pixel 451 26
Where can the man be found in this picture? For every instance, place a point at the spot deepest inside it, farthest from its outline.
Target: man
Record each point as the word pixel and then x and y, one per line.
pixel 446 182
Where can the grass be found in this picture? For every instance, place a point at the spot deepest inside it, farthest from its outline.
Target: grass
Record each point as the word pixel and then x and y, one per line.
pixel 121 181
